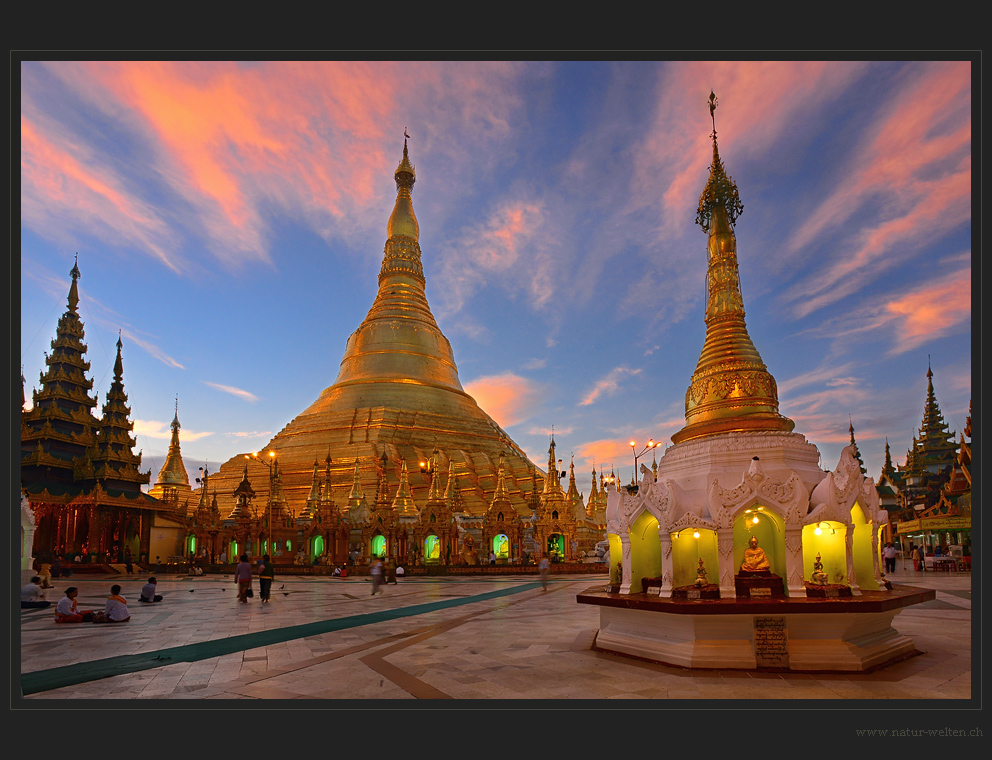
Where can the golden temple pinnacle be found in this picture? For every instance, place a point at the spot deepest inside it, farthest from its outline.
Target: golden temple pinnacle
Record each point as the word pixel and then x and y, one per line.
pixel 731 389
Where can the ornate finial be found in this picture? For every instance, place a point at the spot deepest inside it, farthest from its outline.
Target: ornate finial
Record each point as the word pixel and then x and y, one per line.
pixel 713 104
pixel 720 191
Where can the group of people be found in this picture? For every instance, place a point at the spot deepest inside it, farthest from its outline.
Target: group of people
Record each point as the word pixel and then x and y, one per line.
pixel 383 572
pixel 67 609
pixel 243 575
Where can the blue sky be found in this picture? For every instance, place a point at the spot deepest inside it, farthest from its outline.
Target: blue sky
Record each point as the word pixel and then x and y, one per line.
pixel 230 219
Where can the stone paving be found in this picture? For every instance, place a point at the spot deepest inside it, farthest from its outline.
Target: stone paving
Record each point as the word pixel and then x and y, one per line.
pixel 425 638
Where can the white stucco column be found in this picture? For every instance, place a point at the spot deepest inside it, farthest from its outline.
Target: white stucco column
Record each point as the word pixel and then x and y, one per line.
pixel 876 570
pixel 852 578
pixel 667 570
pixel 794 561
pixel 725 546
pixel 625 563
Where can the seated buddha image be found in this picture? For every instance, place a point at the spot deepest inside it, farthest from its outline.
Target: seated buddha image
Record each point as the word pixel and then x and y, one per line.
pixel 755 559
pixel 818 576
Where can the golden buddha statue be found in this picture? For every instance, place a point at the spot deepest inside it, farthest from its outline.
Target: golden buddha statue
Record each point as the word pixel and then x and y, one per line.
pixel 701 574
pixel 754 558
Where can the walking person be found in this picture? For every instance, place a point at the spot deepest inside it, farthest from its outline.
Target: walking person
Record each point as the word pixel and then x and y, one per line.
pixel 266 574
pixel 889 553
pixel 242 576
pixel 376 573
pixel 921 554
pixel 543 566
pixel 128 565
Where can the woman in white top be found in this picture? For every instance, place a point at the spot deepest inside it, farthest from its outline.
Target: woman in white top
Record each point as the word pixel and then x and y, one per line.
pixel 66 611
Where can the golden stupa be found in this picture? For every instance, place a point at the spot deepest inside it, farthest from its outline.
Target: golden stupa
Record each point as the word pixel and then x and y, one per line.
pixel 731 389
pixel 397 394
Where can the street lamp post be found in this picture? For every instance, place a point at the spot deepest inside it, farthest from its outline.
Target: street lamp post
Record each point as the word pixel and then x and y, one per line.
pixel 637 455
pixel 268 511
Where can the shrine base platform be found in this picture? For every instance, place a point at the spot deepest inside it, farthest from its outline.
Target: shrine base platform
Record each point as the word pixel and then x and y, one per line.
pixel 846 634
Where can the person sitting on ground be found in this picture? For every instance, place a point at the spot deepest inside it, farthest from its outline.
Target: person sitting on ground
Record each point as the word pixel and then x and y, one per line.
pixel 337 572
pixel 115 610
pixel 32 595
pixel 148 592
pixel 66 610
pixel 400 571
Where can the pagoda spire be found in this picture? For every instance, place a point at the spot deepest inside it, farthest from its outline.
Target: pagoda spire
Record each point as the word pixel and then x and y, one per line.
pixel 114 462
pixel 173 480
pixel 552 484
pixel 854 445
pixel 403 501
pixel 731 389
pixel 501 492
pixel 435 489
pixel 399 341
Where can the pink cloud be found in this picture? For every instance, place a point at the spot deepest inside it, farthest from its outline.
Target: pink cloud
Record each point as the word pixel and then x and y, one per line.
pixel 318 140
pixel 158 429
pixel 912 170
pixel 233 391
pixel 508 398
pixel 57 187
pixel 609 384
pixel 930 312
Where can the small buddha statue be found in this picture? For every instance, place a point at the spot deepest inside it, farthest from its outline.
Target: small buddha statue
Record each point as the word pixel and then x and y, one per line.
pixel 818 576
pixel 701 574
pixel 754 558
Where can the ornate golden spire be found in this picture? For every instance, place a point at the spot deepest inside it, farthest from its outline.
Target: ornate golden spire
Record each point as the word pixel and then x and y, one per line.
pixel 731 389
pixel 399 342
pixel 501 492
pixel 403 501
pixel 552 484
pixel 173 472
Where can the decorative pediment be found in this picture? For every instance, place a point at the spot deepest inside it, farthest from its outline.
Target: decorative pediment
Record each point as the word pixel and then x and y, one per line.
pixel 691 520
pixel 788 498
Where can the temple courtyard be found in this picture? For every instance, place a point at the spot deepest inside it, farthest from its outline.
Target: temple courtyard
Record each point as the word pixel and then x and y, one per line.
pixel 427 638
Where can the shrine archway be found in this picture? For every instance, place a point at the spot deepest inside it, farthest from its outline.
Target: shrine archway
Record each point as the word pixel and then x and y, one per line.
pixel 378 546
pixel 556 546
pixel 432 549
pixel 501 546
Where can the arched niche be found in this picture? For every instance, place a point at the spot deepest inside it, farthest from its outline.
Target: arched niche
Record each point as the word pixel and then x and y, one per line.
pixel 501 546
pixel 378 545
pixel 864 569
pixel 432 549
pixel 826 538
pixel 645 550
pixel 191 545
pixel 687 550
pixel 769 529
pixel 317 547
pixel 616 556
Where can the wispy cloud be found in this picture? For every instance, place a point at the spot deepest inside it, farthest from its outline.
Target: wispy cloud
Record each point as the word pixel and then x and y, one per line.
pixel 159 429
pixel 496 249
pixel 250 434
pixel 609 384
pixel 914 171
pixel 151 348
pixel 908 319
pixel 508 398
pixel 62 195
pixel 549 431
pixel 233 391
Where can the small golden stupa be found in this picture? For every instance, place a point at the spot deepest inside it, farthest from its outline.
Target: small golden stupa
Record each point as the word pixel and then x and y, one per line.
pixel 731 389
pixel 397 395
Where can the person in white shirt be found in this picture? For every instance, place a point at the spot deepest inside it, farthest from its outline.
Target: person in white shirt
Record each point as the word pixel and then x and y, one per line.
pixel 148 592
pixel 116 610
pixel 889 553
pixel 66 610
pixel 32 595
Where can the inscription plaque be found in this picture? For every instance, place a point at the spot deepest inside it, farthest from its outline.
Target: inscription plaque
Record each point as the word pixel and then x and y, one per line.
pixel 760 592
pixel 692 593
pixel 771 642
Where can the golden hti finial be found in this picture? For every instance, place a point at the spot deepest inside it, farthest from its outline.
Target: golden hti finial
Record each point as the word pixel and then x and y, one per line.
pixel 713 104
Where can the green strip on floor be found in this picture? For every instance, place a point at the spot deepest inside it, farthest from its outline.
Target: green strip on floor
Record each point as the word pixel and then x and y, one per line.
pixel 82 672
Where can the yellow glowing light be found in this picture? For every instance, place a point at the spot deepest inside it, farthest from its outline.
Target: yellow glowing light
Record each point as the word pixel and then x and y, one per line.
pixel 755 520
pixel 695 534
pixel 632 444
pixel 818 531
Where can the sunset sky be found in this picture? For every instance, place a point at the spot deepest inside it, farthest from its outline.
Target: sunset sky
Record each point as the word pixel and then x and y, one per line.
pixel 230 218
